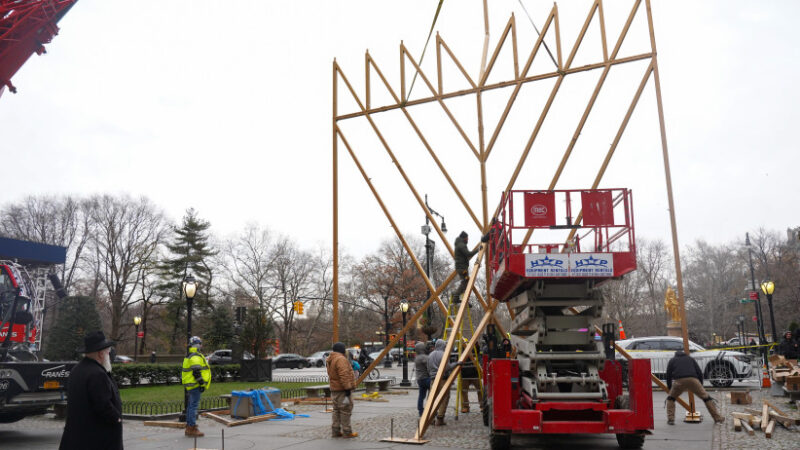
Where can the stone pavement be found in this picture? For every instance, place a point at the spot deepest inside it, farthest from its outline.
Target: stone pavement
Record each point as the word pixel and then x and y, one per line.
pixel 726 438
pixel 372 420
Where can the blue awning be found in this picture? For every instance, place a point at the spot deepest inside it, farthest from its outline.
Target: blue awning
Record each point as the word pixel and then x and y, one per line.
pixel 34 253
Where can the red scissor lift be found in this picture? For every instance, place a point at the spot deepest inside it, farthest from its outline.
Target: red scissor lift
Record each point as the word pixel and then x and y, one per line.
pixel 563 379
pixel 25 27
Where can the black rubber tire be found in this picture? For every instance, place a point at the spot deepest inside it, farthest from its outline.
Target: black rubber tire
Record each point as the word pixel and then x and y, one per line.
pixel 320 363
pixel 498 439
pixel 11 417
pixel 720 374
pixel 627 440
pixel 633 440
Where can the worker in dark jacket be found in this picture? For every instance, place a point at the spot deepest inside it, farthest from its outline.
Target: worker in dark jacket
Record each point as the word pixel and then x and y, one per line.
pixel 94 416
pixel 789 348
pixel 469 377
pixel 687 376
pixel 462 255
pixel 436 359
pixel 422 374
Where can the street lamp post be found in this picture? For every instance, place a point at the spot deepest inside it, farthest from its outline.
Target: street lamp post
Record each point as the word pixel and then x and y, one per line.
pixel 136 321
pixel 404 310
pixel 741 330
pixel 759 316
pixel 189 289
pixel 429 250
pixel 387 361
pixel 768 287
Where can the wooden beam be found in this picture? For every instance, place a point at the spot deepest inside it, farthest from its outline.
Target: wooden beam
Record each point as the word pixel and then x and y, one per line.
pixel 770 428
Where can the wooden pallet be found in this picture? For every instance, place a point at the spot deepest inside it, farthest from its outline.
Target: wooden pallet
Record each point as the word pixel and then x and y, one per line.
pixel 230 422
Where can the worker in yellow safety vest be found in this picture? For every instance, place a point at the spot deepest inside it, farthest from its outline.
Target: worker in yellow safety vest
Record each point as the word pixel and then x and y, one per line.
pixel 196 378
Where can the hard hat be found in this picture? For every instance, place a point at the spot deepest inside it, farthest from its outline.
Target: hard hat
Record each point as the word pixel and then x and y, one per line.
pixel 195 340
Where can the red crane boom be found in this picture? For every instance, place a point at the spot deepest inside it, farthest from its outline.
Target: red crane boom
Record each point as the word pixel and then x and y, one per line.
pixel 25 27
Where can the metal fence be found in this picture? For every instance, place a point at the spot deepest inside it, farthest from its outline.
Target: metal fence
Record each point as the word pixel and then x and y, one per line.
pixel 161 408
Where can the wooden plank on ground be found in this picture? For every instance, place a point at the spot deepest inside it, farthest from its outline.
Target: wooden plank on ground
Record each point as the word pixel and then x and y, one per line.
pixel 765 413
pixel 229 422
pixel 784 420
pixel 748 428
pixel 737 424
pixel 770 428
pixel 164 423
pixel 749 418
pixel 412 441
pixel 777 410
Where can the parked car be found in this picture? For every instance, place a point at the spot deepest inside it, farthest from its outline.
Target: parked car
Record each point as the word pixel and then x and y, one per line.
pixel 122 359
pixel 225 356
pixel 318 359
pixel 720 367
pixel 289 360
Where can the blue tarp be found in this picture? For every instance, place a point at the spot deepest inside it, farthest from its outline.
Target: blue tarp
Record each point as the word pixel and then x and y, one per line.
pixel 25 252
pixel 259 408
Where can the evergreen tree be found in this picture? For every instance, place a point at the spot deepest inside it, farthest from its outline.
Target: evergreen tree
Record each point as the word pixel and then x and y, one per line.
pixel 220 332
pixel 77 316
pixel 256 331
pixel 189 253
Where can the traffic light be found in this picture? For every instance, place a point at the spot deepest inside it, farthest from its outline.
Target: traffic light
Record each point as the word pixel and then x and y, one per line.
pixel 392 336
pixel 298 308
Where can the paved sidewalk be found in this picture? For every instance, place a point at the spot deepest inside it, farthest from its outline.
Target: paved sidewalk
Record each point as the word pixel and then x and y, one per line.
pixel 373 421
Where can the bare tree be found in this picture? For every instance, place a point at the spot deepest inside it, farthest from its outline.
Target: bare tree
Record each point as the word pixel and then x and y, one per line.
pixel 128 234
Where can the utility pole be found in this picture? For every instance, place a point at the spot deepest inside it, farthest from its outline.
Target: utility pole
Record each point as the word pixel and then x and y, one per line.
pixel 759 318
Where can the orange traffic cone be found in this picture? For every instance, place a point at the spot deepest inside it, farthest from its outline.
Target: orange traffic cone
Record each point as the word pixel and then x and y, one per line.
pixel 621 331
pixel 765 381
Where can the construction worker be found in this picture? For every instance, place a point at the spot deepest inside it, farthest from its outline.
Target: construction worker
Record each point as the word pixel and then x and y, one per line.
pixel 462 255
pixel 688 377
pixel 196 378
pixel 342 384
pixel 469 377
pixel 422 374
pixel 434 361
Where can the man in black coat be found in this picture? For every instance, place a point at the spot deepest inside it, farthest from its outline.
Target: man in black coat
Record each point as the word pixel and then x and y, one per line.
pixel 789 347
pixel 687 376
pixel 94 409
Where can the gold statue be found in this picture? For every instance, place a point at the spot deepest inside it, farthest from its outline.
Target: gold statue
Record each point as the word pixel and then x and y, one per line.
pixel 672 306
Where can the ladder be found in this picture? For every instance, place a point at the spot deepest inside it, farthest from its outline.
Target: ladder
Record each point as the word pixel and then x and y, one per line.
pixel 460 340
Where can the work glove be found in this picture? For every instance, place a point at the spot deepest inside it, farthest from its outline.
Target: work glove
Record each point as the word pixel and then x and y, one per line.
pixel 347 393
pixel 202 389
pixel 485 237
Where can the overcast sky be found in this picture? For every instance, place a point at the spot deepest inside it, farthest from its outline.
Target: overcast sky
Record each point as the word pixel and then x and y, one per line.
pixel 226 107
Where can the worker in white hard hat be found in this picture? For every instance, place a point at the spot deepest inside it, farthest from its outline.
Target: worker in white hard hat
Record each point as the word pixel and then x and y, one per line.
pixel 196 378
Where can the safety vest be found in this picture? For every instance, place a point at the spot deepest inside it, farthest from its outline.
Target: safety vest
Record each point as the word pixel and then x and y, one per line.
pixel 195 361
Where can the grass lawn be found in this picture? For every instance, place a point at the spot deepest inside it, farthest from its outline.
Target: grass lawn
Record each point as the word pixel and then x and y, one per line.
pixel 175 392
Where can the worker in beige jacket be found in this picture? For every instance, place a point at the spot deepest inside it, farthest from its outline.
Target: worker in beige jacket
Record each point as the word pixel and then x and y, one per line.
pixel 343 383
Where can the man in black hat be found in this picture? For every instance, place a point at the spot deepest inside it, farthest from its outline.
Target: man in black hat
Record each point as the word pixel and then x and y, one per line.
pixel 94 416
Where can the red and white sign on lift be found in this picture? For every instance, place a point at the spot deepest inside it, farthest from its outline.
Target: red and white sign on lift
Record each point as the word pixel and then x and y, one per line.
pixel 540 209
